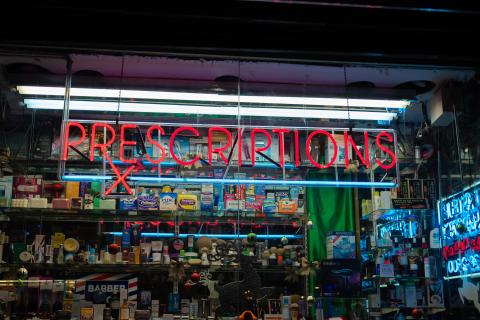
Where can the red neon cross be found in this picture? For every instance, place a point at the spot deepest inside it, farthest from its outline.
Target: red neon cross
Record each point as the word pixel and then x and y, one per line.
pixel 121 178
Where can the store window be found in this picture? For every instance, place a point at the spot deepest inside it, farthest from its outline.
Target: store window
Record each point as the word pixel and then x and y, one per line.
pixel 156 186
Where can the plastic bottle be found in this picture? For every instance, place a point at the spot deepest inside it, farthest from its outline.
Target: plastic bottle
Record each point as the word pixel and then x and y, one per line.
pixel 435 242
pixel 60 257
pixel 377 200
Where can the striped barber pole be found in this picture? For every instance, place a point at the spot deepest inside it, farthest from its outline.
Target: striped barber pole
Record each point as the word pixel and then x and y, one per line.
pixel 107 283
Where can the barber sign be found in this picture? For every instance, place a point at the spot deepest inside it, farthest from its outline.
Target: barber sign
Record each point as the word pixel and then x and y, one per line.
pixel 107 284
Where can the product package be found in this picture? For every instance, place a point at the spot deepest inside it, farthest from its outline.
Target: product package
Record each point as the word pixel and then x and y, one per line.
pixel 77 203
pixel 25 187
pixel 340 278
pixel 188 202
pixel 341 245
pixel 168 201
pixel 129 203
pixel 6 184
pixel 148 200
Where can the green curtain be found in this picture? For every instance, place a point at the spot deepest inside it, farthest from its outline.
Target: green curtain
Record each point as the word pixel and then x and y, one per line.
pixel 330 209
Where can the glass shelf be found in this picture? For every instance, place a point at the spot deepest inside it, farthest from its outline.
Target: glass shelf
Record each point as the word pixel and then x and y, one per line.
pixel 75 268
pixel 97 215
pixel 386 215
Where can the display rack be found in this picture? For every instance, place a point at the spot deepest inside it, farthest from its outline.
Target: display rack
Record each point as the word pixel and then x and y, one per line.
pixel 401 265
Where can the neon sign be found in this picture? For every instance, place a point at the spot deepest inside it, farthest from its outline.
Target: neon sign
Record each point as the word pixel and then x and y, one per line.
pixel 222 142
pixel 460 217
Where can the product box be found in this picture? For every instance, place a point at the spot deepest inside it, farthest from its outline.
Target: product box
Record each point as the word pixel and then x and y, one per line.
pixel 128 203
pixel 206 201
pixel 168 201
pixel 39 203
pixel 107 204
pixel 234 205
pixel 61 203
pixel 253 203
pixel 341 245
pixel 25 187
pixel 340 278
pixel 6 184
pixel 148 200
pixel 287 206
pixel 269 206
pixel 88 202
pixel 87 313
pixel 72 189
pixel 188 202
pixel 77 203
pixel 340 160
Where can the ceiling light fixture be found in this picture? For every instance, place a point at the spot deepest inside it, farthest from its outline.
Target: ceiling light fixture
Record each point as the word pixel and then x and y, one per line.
pixel 212 97
pixel 108 106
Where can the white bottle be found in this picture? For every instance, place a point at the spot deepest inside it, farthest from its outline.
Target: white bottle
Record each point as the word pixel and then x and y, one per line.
pixel 426 266
pixel 435 242
pixel 377 201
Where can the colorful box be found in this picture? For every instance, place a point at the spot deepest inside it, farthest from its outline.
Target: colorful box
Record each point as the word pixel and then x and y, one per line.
pixel 341 245
pixel 128 203
pixel 72 189
pixel 6 184
pixel 25 187
pixel 88 202
pixel 148 203
pixel 168 201
pixel 188 202
pixel 287 206
pixel 148 200
pixel 206 201
pixel 60 203
pixel 77 203
pixel 107 204
pixel 235 205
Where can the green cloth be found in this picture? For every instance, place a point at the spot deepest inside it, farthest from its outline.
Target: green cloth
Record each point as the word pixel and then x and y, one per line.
pixel 330 209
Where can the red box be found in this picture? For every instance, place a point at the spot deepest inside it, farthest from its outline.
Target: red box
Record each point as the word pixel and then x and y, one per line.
pixel 61 203
pixel 25 187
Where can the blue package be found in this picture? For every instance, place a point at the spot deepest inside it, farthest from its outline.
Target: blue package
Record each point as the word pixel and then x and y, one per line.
pixel 128 204
pixel 126 238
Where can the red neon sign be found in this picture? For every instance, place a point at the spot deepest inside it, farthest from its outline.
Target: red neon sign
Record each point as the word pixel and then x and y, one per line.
pixel 383 139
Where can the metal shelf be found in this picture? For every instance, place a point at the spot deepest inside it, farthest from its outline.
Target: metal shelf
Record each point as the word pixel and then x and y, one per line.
pixel 97 215
pixel 75 268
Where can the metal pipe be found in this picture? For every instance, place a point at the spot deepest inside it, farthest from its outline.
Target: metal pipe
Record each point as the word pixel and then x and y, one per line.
pixel 66 116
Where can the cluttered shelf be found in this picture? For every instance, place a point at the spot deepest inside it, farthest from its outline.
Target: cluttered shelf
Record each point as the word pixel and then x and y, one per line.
pixel 386 215
pixel 75 268
pixel 99 215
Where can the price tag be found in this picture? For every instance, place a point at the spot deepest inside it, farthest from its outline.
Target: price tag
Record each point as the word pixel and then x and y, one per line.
pixel 386 271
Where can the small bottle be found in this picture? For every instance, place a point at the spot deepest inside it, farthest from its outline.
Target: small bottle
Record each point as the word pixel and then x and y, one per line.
pixel 376 200
pixel 92 258
pixel 131 256
pixel 60 257
pixel 426 266
pixel 124 313
pixel 424 243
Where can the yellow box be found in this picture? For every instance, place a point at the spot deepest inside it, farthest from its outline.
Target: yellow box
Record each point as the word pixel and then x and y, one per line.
pixel 188 202
pixel 72 189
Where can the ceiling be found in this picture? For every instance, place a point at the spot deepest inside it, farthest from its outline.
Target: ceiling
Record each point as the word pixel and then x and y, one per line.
pixel 126 67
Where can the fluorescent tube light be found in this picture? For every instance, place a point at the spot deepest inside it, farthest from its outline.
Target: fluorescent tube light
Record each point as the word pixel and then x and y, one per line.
pixel 213 97
pixel 219 236
pixel 312 183
pixel 106 106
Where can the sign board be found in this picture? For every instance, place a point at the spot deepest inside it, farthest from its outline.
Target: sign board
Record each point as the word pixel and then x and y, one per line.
pixel 460 218
pixel 139 152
